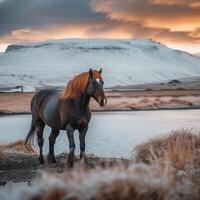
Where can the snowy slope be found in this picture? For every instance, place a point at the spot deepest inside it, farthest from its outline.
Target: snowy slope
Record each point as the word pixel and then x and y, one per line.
pixel 197 54
pixel 124 62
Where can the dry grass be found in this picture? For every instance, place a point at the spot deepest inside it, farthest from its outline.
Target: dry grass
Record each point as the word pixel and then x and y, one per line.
pixel 138 181
pixel 18 147
pixel 2 156
pixel 181 148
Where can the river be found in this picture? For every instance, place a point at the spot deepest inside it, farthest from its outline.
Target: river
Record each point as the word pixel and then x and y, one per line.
pixel 110 134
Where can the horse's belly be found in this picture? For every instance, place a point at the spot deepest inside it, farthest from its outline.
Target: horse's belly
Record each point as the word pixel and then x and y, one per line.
pixel 50 113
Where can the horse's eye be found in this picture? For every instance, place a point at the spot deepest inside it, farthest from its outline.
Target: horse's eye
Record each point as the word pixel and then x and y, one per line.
pixel 101 82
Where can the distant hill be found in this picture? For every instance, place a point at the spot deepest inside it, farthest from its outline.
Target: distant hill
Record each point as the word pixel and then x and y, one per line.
pixel 197 54
pixel 124 62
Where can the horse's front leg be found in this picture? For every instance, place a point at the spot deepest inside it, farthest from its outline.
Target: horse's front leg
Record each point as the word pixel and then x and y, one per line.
pixel 70 135
pixel 82 133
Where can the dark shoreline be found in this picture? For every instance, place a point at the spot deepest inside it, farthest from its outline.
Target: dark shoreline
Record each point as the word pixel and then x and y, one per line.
pixel 116 110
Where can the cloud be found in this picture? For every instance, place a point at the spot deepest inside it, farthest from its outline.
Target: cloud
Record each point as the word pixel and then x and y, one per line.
pixel 153 13
pixel 28 14
pixel 169 21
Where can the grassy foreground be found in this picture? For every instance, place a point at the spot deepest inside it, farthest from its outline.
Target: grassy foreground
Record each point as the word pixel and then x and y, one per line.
pixel 163 168
pixel 180 148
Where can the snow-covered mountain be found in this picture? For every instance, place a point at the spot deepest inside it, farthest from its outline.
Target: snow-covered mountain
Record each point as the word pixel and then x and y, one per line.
pixel 124 62
pixel 197 54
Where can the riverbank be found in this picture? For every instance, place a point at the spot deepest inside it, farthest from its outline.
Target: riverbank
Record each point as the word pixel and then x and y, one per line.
pixel 19 163
pixel 162 168
pixel 18 167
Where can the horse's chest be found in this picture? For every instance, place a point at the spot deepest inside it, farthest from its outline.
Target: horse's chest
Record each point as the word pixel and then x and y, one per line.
pixel 81 121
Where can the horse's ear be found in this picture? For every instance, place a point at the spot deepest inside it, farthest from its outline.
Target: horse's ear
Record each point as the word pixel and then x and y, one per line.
pixel 100 71
pixel 90 74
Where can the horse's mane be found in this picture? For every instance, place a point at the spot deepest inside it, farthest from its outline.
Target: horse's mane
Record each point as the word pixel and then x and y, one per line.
pixel 78 84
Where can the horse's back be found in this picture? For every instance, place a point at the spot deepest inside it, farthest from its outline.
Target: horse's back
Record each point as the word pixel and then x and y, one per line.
pixel 41 97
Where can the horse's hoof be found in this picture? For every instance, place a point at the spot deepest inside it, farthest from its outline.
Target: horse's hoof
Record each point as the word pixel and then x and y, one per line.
pixel 84 161
pixel 51 160
pixel 70 164
pixel 41 161
pixel 41 167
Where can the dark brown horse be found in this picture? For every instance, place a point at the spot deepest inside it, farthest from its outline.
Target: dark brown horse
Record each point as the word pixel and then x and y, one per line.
pixel 67 111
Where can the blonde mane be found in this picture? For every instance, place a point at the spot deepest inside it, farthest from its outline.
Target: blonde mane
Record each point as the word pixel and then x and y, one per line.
pixel 78 84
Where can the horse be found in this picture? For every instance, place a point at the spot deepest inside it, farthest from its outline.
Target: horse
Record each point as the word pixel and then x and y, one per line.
pixel 68 111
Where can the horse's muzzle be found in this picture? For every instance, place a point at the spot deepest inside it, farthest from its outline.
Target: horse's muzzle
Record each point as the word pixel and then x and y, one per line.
pixel 102 101
pixel 105 100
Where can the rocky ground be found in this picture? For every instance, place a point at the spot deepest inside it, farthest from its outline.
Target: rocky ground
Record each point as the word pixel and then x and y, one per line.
pixel 19 167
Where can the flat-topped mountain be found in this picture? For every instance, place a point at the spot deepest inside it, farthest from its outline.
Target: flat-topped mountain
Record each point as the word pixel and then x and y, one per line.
pixel 124 62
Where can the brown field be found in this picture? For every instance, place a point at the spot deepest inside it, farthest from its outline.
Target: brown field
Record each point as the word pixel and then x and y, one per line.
pixel 11 103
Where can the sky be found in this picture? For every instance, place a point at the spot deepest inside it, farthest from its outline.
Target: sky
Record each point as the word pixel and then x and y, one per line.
pixel 175 23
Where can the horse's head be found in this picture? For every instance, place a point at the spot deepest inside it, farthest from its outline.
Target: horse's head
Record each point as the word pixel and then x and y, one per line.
pixel 95 87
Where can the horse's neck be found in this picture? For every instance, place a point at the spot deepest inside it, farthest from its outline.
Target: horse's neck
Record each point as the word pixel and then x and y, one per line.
pixel 82 102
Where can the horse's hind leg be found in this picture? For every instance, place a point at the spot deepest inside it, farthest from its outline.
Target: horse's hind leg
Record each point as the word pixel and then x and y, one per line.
pixel 39 131
pixel 52 139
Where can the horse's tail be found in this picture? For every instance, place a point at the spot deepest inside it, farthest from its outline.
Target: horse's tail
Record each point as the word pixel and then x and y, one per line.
pixel 30 133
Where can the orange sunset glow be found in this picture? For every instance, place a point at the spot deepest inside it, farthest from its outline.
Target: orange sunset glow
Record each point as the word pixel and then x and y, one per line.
pixel 173 22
